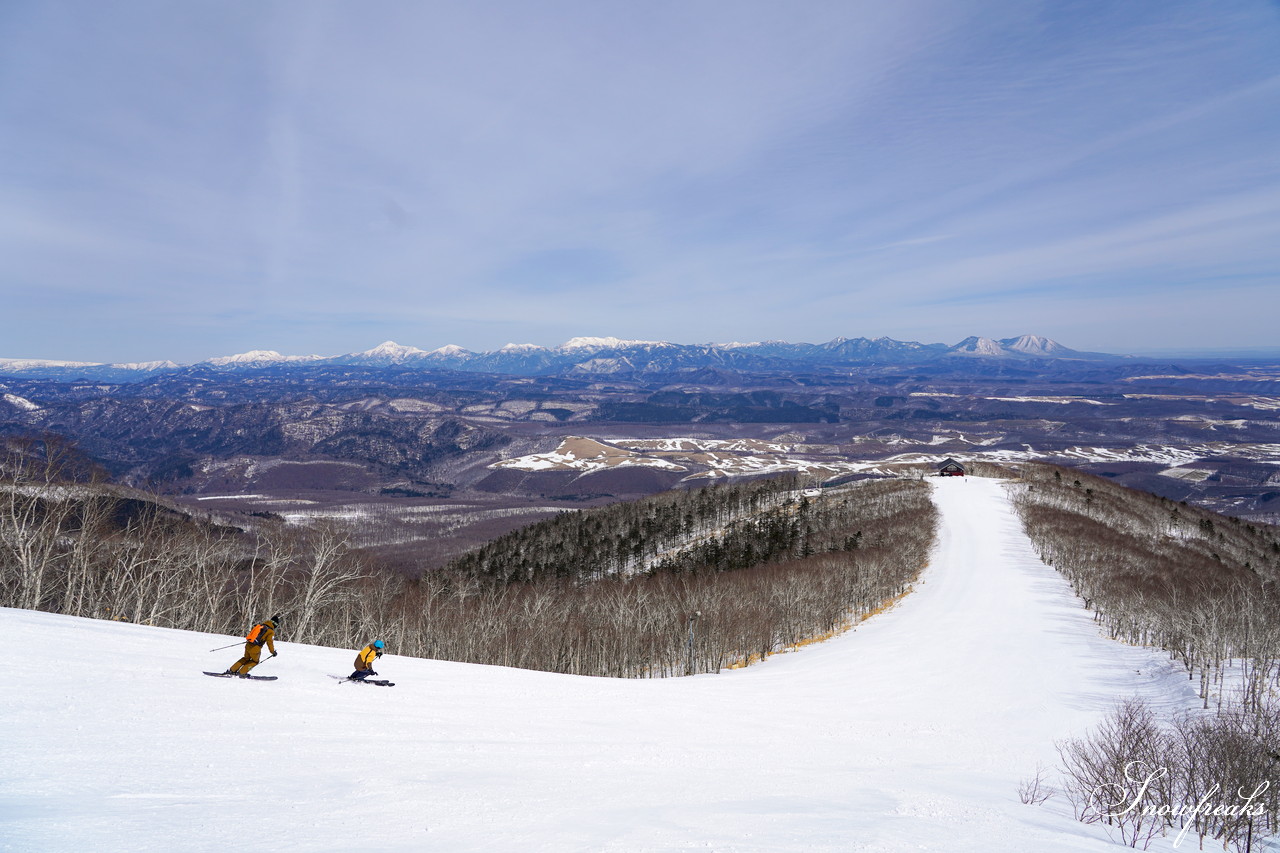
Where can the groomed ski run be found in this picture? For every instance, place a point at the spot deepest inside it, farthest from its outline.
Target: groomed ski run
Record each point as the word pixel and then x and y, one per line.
pixel 910 733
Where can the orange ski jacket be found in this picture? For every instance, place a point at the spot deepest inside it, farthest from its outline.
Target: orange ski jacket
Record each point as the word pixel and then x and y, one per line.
pixel 367 656
pixel 263 634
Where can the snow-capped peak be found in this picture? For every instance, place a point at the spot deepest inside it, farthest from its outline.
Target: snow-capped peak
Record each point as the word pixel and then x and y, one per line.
pixel 606 343
pixel 450 349
pixel 978 346
pixel 391 350
pixel 256 357
pixel 521 348
pixel 1034 345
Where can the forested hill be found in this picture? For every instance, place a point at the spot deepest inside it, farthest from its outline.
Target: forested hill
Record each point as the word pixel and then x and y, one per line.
pixel 682 582
pixel 713 529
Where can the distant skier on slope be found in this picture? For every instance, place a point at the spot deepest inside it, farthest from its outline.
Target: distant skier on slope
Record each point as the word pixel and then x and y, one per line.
pixel 365 659
pixel 262 634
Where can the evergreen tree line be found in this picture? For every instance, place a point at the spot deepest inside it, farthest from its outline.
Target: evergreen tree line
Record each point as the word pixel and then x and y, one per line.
pixel 627 538
pixel 72 544
pixel 1201 586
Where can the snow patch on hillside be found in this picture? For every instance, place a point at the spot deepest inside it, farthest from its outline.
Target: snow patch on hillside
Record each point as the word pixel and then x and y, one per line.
pixel 586 455
pixel 1062 400
pixel 20 402
pixel 1191 475
pixel 695 445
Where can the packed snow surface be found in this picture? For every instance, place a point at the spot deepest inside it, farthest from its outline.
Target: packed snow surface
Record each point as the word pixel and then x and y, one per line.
pixel 911 732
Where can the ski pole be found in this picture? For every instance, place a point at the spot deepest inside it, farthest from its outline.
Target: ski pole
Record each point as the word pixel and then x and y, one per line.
pixel 220 648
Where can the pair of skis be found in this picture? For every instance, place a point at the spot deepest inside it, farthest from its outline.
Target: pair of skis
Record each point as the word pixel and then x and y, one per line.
pixel 249 677
pixel 381 682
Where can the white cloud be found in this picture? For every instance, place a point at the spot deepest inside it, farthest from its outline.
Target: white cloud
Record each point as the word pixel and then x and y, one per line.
pixel 744 170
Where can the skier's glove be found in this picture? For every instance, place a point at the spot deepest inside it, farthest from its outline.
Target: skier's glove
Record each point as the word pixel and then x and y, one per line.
pixel 273 654
pixel 371 672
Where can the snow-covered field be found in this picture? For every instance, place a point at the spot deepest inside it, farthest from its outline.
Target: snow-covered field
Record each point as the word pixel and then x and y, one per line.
pixel 910 733
pixel 712 458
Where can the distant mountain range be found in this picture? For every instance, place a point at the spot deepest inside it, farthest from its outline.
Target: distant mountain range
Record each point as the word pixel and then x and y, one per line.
pixel 587 356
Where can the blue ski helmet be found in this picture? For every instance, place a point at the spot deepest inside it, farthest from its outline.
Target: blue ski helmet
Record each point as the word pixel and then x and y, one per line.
pixel 378 644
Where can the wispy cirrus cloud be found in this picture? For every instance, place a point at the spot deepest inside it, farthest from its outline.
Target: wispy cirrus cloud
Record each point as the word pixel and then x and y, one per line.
pixel 476 173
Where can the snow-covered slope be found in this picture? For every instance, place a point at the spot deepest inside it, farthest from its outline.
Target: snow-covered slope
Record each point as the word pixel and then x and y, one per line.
pixel 909 733
pixel 20 403
pixel 20 364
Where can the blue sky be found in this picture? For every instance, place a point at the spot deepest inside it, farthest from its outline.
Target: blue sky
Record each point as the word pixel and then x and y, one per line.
pixel 186 180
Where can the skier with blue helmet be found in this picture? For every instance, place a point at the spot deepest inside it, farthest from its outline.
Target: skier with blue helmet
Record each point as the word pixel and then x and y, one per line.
pixel 364 660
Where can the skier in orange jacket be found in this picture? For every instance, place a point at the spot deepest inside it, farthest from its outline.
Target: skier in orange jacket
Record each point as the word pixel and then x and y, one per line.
pixel 365 659
pixel 262 634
